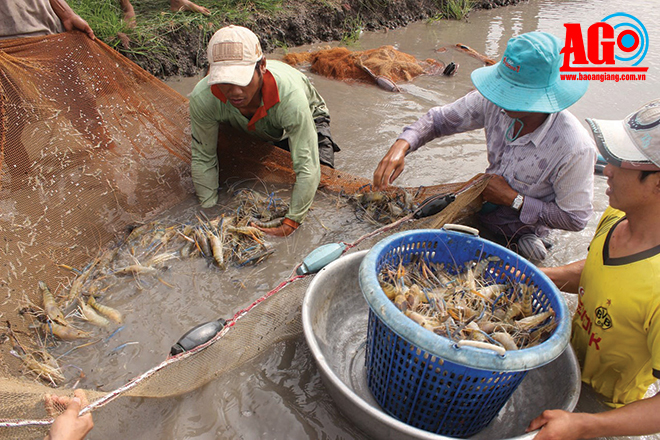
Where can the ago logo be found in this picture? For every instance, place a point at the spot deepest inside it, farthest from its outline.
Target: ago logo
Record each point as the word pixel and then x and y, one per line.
pixel 617 43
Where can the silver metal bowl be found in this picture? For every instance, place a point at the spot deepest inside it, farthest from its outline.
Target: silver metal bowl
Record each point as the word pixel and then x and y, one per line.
pixel 335 315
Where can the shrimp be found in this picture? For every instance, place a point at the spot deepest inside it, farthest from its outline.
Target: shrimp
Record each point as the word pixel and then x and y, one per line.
pixel 41 369
pixel 89 314
pixel 161 258
pixel 135 269
pixel 476 332
pixel 250 231
pixel 108 312
pixel 390 290
pixel 50 306
pixel 77 284
pixel 532 321
pixel 506 340
pixel 401 302
pixel 203 242
pixel 491 290
pixel 66 333
pixel 274 223
pixel 526 292
pixel 216 247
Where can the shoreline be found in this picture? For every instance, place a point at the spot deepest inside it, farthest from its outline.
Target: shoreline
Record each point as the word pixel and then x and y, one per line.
pixel 297 23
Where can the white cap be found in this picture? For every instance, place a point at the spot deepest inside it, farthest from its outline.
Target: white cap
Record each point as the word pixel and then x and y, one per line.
pixel 633 143
pixel 233 52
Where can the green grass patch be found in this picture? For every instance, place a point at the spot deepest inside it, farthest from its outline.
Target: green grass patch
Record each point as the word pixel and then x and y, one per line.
pixel 353 28
pixel 453 9
pixel 155 20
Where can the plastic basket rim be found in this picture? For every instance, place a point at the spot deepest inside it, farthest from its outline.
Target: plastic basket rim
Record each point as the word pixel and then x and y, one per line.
pixel 441 347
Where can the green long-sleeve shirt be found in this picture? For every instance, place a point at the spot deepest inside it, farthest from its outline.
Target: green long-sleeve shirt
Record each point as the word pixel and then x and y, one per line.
pixel 289 105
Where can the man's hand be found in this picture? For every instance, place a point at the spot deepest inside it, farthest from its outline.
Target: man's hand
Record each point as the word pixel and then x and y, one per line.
pixel 498 191
pixel 287 228
pixel 71 20
pixel 556 425
pixel 76 22
pixel 391 165
pixel 68 426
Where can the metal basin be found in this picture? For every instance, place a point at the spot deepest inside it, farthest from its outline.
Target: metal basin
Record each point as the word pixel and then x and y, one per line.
pixel 335 316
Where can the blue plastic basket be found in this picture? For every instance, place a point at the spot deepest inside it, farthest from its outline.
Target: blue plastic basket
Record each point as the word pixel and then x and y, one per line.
pixel 428 381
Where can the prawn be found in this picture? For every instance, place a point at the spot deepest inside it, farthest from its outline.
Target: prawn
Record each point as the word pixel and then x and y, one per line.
pixel 108 312
pixel 66 333
pixel 50 306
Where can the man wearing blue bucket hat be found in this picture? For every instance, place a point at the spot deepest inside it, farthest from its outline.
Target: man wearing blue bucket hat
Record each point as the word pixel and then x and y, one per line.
pixel 540 157
pixel 616 328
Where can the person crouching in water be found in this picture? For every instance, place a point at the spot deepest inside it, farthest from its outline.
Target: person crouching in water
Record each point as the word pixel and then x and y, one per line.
pixel 272 101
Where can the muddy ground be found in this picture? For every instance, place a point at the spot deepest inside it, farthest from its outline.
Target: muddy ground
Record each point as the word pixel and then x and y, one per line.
pixel 299 22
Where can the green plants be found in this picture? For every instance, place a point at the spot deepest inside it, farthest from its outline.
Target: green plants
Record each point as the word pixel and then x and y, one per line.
pixel 452 10
pixel 457 9
pixel 353 27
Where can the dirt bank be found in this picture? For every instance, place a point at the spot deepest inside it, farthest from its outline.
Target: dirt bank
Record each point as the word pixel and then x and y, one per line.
pixel 299 22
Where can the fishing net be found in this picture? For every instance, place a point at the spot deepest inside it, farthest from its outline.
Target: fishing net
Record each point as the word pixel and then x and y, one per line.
pixel 91 144
pixel 385 61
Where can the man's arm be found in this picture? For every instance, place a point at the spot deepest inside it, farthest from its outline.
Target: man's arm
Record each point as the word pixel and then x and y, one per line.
pixel 464 114
pixel 204 149
pixel 303 143
pixel 71 20
pixel 572 206
pixel 637 418
pixel 567 277
pixel 296 120
pixel 391 165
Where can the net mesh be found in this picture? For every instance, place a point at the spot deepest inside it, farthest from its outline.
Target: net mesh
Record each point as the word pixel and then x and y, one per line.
pixel 385 61
pixel 92 144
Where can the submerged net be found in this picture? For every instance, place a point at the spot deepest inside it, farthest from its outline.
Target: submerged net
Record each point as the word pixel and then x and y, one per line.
pixel 385 61
pixel 92 144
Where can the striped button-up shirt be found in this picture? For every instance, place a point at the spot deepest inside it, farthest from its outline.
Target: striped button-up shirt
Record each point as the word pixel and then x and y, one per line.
pixel 552 166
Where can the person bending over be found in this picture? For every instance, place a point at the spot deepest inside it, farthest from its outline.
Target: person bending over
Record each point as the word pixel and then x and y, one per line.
pixel 272 101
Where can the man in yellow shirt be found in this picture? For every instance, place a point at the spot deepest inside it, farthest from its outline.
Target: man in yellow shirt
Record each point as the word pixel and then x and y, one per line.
pixel 616 327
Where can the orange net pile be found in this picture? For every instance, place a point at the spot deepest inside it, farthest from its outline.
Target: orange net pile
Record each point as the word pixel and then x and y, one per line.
pixel 340 63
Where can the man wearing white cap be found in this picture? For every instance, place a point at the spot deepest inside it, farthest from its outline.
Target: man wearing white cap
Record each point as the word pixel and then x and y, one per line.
pixel 540 157
pixel 276 103
pixel 616 328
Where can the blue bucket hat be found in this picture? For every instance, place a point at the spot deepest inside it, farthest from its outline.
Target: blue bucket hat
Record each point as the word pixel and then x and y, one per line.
pixel 527 78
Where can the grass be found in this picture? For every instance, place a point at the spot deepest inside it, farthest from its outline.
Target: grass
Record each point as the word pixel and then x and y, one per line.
pixel 453 9
pixel 353 29
pixel 154 20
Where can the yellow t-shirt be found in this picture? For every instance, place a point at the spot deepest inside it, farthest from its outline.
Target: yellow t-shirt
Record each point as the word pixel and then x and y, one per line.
pixel 616 327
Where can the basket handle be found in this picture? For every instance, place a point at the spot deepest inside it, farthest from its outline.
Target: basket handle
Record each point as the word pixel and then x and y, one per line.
pixel 461 228
pixel 477 344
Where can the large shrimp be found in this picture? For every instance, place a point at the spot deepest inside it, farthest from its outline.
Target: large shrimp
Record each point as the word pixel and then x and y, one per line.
pixel 66 333
pixel 50 306
pixel 89 314
pixel 108 312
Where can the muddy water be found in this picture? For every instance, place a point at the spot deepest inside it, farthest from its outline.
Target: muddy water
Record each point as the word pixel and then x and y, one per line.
pixel 280 395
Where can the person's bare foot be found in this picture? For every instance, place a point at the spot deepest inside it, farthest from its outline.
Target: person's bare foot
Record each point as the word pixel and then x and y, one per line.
pixel 187 5
pixel 129 13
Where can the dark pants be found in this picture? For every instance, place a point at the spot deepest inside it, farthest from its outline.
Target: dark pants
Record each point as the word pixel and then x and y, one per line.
pixel 327 146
